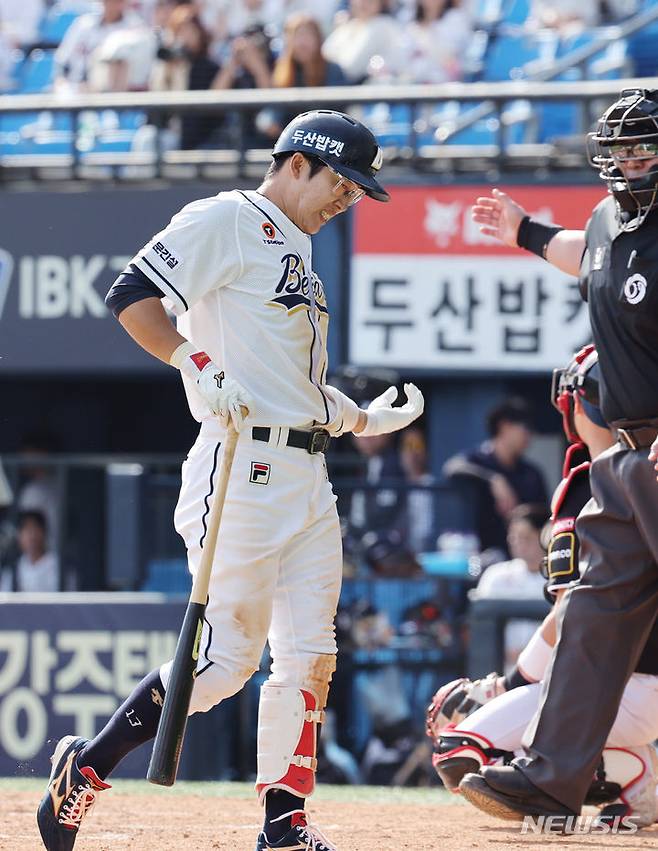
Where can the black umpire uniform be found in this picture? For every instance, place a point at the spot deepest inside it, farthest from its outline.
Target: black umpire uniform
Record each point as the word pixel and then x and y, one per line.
pixel 609 616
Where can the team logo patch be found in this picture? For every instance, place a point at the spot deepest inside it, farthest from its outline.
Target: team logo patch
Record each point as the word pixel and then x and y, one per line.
pixel 260 473
pixel 270 234
pixel 635 289
pixel 293 290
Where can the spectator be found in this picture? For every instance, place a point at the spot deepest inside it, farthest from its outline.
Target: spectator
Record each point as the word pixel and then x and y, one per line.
pixel 521 577
pixel 227 19
pixel 249 66
pixel 496 477
pixel 20 21
pixel 564 14
pixel 123 61
pixel 184 65
pixel 433 44
pixel 6 63
pixel 37 568
pixel 39 492
pixel 300 64
pixel 420 503
pixel 377 522
pixel 369 31
pixel 85 35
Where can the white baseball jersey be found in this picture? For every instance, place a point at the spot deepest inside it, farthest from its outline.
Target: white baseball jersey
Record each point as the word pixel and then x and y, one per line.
pixel 237 274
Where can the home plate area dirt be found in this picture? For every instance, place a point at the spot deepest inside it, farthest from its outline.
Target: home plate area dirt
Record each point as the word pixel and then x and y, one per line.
pixel 218 817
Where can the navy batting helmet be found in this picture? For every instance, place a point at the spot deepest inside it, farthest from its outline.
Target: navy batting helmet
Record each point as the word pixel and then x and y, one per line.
pixel 340 142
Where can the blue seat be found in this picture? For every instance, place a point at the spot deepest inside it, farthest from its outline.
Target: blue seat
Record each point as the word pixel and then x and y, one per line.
pixel 643 51
pixel 507 55
pixel 35 72
pixel 55 23
pixel 391 123
pixel 515 12
pixel 169 576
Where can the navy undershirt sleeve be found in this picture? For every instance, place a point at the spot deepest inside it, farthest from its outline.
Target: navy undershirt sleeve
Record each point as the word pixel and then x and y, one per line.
pixel 131 286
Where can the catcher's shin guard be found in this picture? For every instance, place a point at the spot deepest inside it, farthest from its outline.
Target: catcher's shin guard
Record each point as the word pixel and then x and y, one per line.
pixel 632 773
pixel 456 754
pixel 287 740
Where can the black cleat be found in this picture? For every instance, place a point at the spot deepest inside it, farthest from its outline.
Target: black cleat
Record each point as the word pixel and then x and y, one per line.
pixel 70 796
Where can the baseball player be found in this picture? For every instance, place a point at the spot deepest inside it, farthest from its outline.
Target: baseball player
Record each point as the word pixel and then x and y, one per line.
pixel 478 723
pixel 250 343
pixel 606 619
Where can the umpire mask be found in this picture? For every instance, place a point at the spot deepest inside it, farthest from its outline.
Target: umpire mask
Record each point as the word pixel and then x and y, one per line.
pixel 628 132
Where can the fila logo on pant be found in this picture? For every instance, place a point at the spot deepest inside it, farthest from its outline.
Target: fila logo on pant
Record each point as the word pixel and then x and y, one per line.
pixel 260 473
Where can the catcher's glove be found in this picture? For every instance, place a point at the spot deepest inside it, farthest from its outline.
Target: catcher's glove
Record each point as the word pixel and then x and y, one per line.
pixel 456 700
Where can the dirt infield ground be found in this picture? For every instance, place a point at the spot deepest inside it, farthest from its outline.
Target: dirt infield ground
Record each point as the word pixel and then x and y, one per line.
pixel 219 817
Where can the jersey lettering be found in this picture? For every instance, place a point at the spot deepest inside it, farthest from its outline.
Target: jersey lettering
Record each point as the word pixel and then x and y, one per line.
pixel 293 287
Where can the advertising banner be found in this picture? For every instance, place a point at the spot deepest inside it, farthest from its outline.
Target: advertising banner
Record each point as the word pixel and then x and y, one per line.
pixel 65 668
pixel 429 291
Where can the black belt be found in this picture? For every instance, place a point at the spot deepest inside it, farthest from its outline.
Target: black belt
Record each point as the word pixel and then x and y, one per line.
pixel 313 441
pixel 636 435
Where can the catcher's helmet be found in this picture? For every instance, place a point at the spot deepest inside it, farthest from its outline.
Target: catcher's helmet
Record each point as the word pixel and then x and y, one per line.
pixel 340 142
pixel 628 130
pixel 580 377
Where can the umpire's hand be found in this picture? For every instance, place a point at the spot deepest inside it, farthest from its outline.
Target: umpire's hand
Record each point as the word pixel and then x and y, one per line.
pixel 499 216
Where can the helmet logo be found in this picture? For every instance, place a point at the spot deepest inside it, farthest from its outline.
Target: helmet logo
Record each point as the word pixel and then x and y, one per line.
pixel 376 164
pixel 635 289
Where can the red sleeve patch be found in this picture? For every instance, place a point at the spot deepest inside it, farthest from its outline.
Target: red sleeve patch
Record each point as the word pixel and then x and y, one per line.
pixel 201 360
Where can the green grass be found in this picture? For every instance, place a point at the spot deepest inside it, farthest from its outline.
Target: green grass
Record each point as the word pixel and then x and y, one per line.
pixel 389 794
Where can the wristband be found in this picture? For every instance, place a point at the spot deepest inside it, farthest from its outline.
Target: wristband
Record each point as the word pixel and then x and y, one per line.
pixel 534 657
pixel 535 236
pixel 189 360
pixel 515 679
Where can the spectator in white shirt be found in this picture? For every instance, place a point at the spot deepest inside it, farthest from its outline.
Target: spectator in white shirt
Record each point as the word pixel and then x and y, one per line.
pixel 37 568
pixel 85 35
pixel 368 34
pixel 433 44
pixel 20 20
pixel 520 578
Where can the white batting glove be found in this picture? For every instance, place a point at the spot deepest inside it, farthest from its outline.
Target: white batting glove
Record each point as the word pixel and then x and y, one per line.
pixel 223 396
pixel 347 412
pixel 383 418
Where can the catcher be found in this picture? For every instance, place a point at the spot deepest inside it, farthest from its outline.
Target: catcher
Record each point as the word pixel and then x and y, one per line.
pixel 477 723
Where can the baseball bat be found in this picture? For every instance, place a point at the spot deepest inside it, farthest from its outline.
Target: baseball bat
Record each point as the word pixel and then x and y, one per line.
pixel 173 720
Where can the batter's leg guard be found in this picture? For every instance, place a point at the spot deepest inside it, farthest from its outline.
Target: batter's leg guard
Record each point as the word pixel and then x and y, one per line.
pixel 635 772
pixel 457 753
pixel 288 719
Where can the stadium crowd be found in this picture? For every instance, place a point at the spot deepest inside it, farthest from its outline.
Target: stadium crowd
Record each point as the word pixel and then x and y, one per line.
pixel 74 46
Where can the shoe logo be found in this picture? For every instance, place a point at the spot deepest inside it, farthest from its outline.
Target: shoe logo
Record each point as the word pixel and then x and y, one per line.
pixel 55 787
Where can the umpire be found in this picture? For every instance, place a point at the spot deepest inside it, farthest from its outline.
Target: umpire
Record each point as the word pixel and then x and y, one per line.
pixel 609 615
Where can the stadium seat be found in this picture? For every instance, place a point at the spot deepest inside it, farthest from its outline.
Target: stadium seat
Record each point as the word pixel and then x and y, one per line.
pixel 55 23
pixel 643 51
pixel 35 72
pixel 169 576
pixel 515 12
pixel 507 56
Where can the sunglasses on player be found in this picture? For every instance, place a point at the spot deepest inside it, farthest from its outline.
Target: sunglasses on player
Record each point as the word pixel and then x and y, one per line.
pixel 347 189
